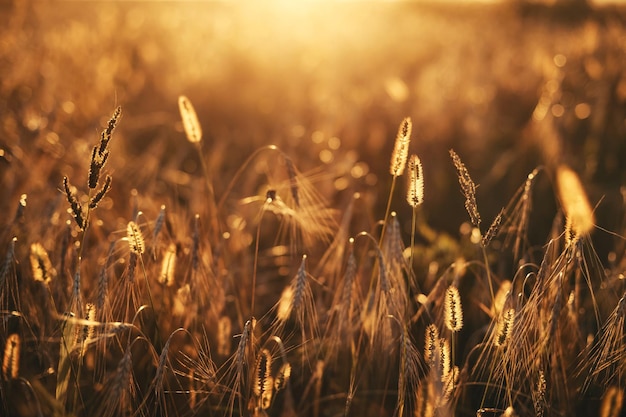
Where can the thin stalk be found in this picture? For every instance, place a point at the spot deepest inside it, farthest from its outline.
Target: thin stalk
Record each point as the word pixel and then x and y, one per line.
pixel 387 210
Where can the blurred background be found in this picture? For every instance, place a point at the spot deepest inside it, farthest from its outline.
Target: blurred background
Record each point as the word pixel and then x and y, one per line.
pixel 509 85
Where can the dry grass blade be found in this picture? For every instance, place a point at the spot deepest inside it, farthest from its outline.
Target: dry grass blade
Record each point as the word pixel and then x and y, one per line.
pixel 67 345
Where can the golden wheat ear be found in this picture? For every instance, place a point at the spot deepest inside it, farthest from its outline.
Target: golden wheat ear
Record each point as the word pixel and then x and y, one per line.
pixel 297 304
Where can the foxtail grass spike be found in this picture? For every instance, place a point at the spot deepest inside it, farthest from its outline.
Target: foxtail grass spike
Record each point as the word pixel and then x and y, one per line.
pixel 190 120
pixel 401 148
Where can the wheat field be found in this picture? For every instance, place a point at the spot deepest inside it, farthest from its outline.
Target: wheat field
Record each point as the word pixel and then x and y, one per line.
pixel 216 209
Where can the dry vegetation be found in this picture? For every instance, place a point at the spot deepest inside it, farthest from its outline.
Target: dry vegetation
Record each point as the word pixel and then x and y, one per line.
pixel 206 217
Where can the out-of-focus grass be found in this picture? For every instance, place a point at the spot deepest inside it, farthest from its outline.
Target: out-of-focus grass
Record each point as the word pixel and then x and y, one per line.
pixel 469 76
pixel 508 86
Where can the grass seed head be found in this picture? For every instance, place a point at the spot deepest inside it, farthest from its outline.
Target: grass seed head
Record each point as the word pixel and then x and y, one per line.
pixel 401 148
pixel 453 310
pixel 576 207
pixel 467 187
pixel 40 264
pixel 430 345
pixel 192 127
pixel 135 239
pixel 11 359
pixel 282 377
pixel 264 383
pixel 504 327
pixel 168 266
pixel 415 193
